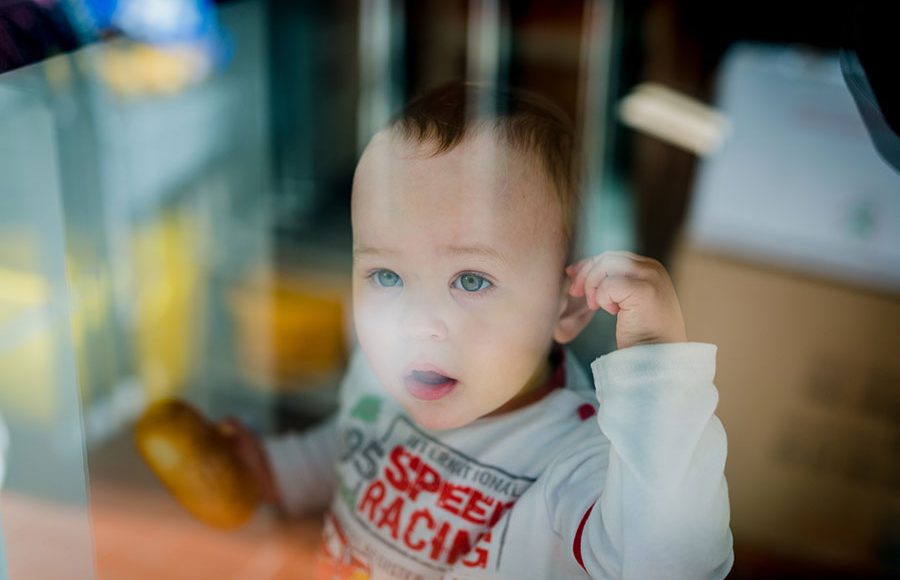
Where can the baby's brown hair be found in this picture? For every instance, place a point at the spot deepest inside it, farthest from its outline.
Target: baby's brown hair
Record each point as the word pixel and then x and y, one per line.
pixel 524 121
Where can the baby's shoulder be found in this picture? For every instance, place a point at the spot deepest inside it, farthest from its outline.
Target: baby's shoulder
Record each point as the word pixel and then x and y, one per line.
pixel 575 421
pixel 562 425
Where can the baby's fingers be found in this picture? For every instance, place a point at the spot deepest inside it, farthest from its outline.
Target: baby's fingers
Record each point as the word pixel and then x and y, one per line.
pixel 595 293
pixel 604 266
pixel 578 271
pixel 618 293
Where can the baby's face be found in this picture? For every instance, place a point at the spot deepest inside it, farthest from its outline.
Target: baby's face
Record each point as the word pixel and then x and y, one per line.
pixel 457 274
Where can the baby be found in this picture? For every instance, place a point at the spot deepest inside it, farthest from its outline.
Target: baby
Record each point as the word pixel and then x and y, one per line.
pixel 469 443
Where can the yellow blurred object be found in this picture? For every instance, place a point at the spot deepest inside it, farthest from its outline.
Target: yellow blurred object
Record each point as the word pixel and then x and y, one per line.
pixel 196 463
pixel 27 377
pixel 91 293
pixel 290 330
pixel 20 290
pixel 39 320
pixel 27 353
pixel 32 324
pixel 58 72
pixel 168 277
pixel 136 69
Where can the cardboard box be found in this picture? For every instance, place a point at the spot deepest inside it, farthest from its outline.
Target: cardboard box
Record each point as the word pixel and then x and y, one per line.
pixel 809 381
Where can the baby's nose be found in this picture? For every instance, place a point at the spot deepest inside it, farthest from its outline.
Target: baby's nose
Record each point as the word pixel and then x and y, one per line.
pixel 423 322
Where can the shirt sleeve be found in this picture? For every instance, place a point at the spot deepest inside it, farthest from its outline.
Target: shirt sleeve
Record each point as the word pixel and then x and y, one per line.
pixel 303 466
pixel 652 502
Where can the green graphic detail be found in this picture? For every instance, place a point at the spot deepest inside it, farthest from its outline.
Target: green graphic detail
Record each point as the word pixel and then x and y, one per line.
pixel 367 408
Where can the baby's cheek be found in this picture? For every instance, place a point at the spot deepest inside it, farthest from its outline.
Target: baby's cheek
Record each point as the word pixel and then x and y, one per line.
pixel 374 324
pixel 526 337
pixel 529 323
pixel 376 343
pixel 505 348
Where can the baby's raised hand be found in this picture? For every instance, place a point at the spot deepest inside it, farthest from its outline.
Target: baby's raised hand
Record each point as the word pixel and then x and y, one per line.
pixel 637 290
pixel 252 454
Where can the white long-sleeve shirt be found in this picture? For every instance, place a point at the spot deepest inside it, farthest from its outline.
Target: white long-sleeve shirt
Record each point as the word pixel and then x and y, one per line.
pixel 539 492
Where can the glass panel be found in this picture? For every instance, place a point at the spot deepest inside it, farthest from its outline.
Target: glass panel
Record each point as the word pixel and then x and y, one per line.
pixel 44 499
pixel 175 223
pixel 135 265
pixel 182 225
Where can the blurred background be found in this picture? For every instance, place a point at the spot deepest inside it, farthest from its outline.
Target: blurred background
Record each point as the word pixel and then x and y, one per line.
pixel 174 221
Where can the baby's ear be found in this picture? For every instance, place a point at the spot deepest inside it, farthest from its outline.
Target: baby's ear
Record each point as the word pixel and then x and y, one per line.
pixel 573 317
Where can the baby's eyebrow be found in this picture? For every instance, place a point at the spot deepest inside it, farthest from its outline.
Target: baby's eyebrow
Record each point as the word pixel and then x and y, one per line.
pixel 475 250
pixel 370 251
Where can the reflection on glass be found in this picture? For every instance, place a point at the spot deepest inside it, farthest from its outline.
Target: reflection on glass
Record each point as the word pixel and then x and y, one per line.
pixel 137 223
pixel 44 500
pixel 132 204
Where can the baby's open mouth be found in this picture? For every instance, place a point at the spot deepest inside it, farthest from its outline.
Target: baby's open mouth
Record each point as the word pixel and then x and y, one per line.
pixel 429 385
pixel 430 377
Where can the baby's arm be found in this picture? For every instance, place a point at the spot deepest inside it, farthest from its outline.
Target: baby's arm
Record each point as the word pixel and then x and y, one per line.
pixel 303 467
pixel 662 510
pixel 299 469
pixel 294 472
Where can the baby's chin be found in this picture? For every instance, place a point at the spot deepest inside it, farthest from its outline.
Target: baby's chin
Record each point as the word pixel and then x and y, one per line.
pixel 437 419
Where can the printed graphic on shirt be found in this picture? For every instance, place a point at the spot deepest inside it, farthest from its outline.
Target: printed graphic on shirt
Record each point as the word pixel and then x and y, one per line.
pixel 416 505
pixel 340 560
pixel 367 408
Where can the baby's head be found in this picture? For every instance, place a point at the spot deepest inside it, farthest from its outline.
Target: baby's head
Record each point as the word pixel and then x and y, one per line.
pixel 462 225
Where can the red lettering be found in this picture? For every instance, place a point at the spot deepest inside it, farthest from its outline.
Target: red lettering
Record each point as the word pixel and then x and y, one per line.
pixel 410 528
pixel 412 478
pixel 499 511
pixel 461 546
pixel 391 517
pixel 397 478
pixel 476 508
pixel 479 558
pixel 427 479
pixel 452 497
pixel 373 496
pixel 437 542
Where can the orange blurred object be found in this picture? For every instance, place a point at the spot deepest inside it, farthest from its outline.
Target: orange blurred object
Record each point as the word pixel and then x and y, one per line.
pixel 289 331
pixel 197 464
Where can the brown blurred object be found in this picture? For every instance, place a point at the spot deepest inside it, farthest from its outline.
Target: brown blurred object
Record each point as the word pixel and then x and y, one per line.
pixel 197 463
pixel 290 330
pixel 663 173
pixel 548 46
pixel 543 47
pixel 809 383
pixel 140 533
pixel 437 29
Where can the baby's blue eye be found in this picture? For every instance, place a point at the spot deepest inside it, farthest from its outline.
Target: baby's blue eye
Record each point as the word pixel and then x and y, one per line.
pixel 387 279
pixel 471 282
